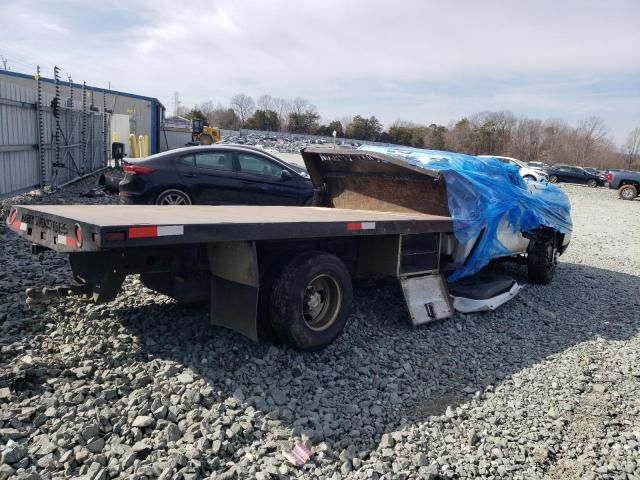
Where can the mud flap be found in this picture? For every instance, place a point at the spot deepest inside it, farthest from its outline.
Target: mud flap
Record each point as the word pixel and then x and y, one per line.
pixel 427 298
pixel 234 286
pixel 96 270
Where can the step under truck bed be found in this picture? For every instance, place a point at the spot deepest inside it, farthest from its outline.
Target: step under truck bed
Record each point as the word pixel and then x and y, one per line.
pixel 73 228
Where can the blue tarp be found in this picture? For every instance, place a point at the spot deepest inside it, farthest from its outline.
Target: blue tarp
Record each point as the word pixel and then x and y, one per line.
pixel 481 192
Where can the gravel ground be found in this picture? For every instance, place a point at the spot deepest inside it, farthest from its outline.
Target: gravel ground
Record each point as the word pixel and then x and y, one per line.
pixel 548 386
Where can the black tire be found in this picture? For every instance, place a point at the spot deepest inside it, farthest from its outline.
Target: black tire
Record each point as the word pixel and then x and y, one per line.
pixel 529 178
pixel 310 300
pixel 270 269
pixel 553 179
pixel 592 183
pixel 541 262
pixel 173 196
pixel 628 192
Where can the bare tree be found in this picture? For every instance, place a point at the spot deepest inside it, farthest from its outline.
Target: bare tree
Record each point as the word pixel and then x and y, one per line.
pixel 526 139
pixel 591 131
pixel 301 105
pixel 282 107
pixel 266 102
pixel 223 117
pixel 207 109
pixel 632 148
pixel 346 123
pixel 244 106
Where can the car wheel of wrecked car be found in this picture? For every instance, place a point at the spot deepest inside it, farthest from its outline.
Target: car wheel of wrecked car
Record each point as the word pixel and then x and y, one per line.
pixel 553 179
pixel 310 300
pixel 541 262
pixel 628 192
pixel 173 197
pixel 592 183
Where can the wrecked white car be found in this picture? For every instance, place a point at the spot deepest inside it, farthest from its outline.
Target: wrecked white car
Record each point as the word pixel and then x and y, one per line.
pixel 496 214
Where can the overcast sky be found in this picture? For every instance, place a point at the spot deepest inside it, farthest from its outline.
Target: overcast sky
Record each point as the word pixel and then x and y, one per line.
pixel 425 61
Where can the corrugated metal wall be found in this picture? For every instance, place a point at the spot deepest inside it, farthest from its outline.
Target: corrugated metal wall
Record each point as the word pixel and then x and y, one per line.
pixel 171 138
pixel 28 160
pixel 137 107
pixel 19 165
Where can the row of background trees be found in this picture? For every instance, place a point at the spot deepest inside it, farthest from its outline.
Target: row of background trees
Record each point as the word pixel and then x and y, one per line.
pixel 494 133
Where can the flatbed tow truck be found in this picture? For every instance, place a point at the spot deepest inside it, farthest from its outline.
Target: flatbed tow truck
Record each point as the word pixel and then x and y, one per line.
pixel 267 270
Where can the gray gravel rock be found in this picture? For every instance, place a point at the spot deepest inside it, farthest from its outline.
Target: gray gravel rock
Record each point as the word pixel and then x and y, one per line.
pixel 547 386
pixel 6 471
pixel 12 453
pixel 143 421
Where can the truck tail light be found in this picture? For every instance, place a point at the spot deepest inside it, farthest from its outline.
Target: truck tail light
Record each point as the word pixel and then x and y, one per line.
pixel 137 169
pixel 77 232
pixel 12 216
pixel 609 177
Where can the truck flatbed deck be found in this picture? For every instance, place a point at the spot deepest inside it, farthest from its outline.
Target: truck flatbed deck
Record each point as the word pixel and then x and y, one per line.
pixel 115 226
pixel 272 271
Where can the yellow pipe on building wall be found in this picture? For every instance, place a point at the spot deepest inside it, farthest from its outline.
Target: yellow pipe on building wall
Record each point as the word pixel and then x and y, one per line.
pixel 146 145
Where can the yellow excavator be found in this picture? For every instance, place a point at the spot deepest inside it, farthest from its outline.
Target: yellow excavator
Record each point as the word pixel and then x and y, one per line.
pixel 202 134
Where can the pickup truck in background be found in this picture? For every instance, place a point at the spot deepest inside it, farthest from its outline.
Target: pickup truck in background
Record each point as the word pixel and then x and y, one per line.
pixel 626 182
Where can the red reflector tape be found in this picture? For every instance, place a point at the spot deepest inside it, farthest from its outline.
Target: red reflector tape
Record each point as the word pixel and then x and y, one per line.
pixel 355 226
pixel 143 232
pixel 155 231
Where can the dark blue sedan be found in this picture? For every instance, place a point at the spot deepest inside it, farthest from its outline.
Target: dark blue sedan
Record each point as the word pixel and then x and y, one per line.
pixel 214 175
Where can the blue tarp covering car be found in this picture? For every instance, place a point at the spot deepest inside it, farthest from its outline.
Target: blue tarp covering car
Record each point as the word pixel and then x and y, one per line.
pixel 482 193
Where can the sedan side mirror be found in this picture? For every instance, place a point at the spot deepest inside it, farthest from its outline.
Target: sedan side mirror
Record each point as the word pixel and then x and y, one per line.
pixel 286 174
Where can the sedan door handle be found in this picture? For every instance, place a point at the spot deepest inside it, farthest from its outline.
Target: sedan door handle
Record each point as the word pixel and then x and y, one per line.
pixel 190 175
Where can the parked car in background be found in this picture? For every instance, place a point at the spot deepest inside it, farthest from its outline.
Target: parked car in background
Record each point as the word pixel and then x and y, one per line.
pixel 214 175
pixel 601 173
pixel 627 183
pixel 527 172
pixel 570 174
pixel 538 165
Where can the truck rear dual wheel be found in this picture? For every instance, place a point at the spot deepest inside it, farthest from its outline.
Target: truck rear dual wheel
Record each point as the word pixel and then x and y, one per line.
pixel 310 300
pixel 628 192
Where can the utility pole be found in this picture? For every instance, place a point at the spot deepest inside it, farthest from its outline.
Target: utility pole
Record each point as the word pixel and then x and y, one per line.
pixel 4 61
pixel 176 103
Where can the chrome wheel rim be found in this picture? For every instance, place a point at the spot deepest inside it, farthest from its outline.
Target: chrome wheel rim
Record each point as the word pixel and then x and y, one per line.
pixel 173 199
pixel 627 193
pixel 553 179
pixel 321 302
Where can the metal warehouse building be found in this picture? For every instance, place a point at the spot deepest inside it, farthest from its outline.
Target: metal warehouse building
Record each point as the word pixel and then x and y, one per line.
pixel 41 145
